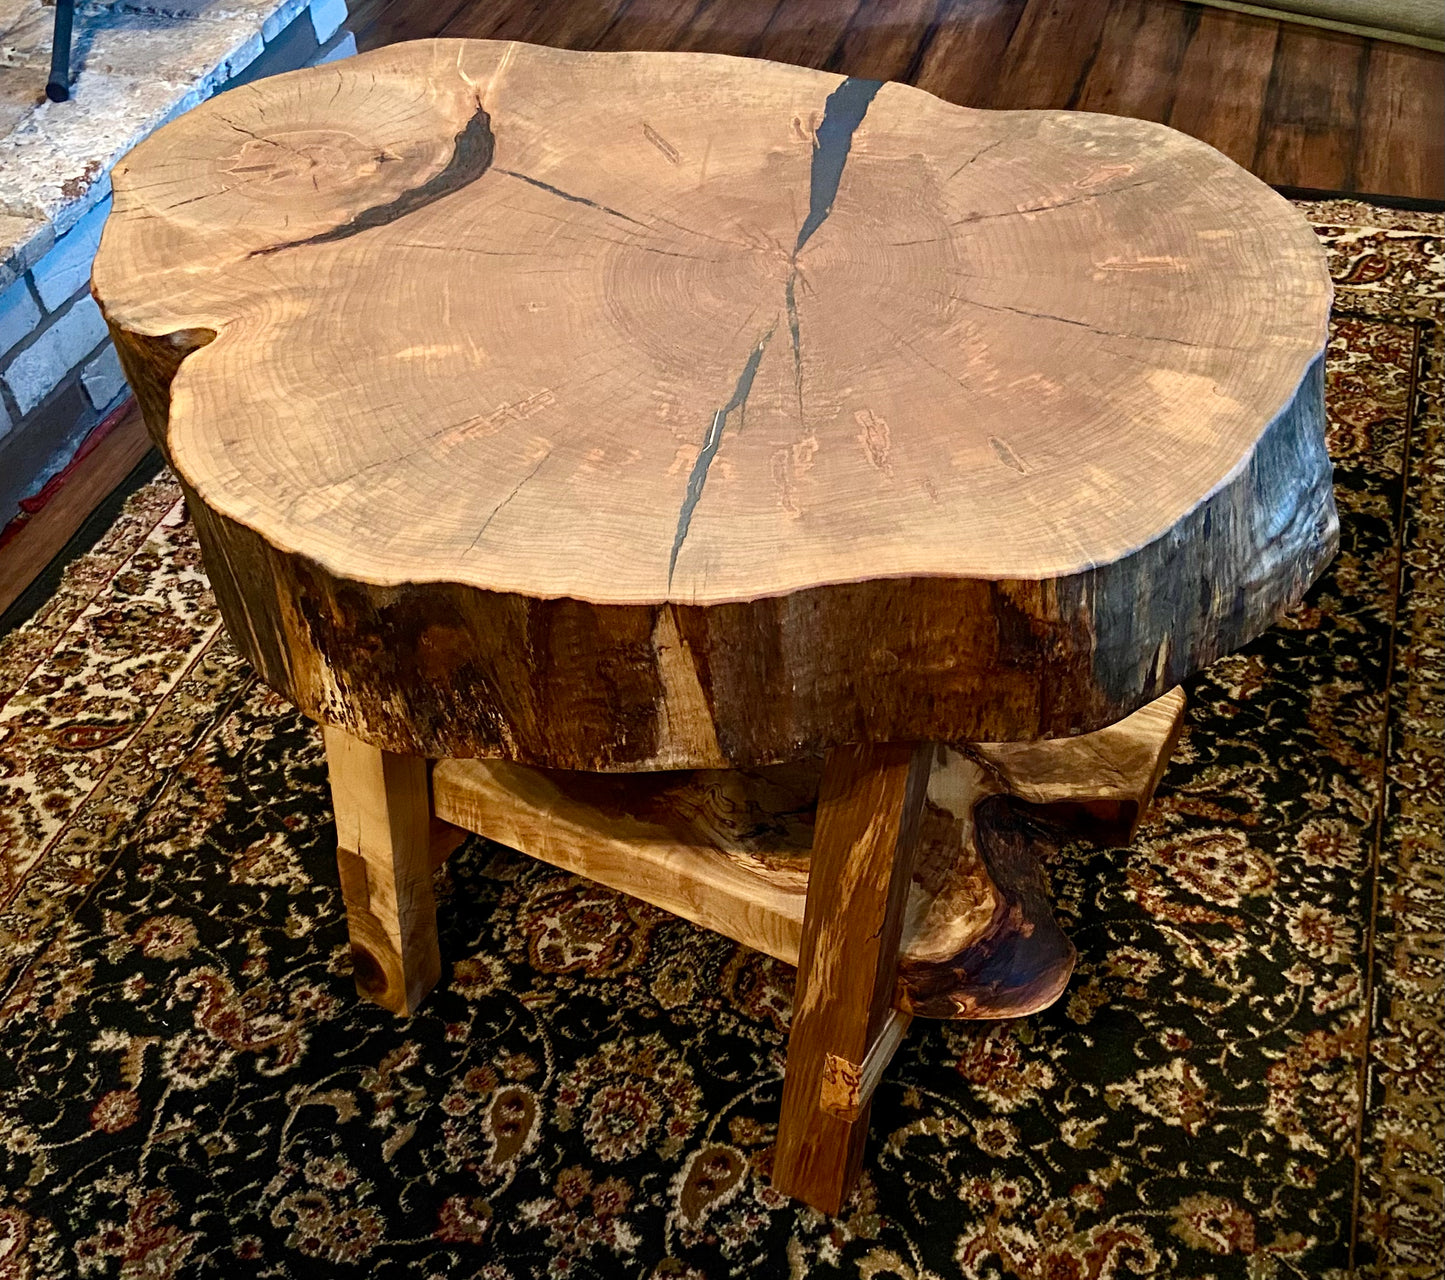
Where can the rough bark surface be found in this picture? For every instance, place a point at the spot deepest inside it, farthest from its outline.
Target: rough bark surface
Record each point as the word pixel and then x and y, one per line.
pixel 630 411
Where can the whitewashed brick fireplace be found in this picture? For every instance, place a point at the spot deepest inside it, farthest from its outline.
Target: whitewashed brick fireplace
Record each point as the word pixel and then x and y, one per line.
pixel 135 64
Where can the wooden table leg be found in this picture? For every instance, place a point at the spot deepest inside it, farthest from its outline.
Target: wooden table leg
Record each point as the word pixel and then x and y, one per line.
pixel 869 806
pixel 383 830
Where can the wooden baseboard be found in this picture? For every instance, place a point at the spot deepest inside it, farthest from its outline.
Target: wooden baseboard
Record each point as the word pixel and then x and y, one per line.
pixel 42 537
pixel 1412 204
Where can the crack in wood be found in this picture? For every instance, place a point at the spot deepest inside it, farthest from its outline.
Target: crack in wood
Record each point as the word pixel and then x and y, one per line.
pixel 497 510
pixel 970 218
pixel 1057 204
pixel 472 152
pixel 1083 324
pixel 575 199
pixel 842 114
pixel 698 478
pixel 795 331
pixel 977 155
pixel 950 296
pixel 270 142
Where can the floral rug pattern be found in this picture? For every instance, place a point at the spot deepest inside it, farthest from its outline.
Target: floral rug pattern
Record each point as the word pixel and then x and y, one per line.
pixel 1242 1080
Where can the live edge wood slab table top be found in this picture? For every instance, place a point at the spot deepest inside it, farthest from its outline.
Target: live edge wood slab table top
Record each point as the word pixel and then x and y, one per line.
pixel 775 495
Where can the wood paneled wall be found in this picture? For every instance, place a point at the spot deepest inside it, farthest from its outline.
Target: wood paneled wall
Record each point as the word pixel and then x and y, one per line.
pixel 1297 105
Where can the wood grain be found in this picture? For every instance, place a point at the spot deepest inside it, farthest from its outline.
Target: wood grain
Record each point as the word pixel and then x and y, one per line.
pixel 92 479
pixel 389 21
pixel 869 809
pixel 649 24
pixel 1135 70
pixel 807 33
pixel 727 850
pixel 1108 778
pixel 732 26
pixel 961 62
pixel 980 938
pixel 1219 87
pixel 1401 139
pixel 731 850
pixel 890 47
pixel 1224 80
pixel 571 26
pixel 848 1087
pixel 1315 82
pixel 1049 55
pixel 384 854
pixel 844 501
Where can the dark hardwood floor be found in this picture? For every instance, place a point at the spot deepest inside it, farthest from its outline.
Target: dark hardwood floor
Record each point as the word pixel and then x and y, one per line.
pixel 1299 106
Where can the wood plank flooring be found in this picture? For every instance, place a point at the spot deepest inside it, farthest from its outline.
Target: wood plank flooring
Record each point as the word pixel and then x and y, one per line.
pixel 89 487
pixel 1297 105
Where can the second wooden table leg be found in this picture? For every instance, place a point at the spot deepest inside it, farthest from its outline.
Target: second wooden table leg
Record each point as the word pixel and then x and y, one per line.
pixel 383 831
pixel 869 807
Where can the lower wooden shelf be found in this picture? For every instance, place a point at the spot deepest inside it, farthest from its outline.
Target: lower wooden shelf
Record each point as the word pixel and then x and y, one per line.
pixel 729 849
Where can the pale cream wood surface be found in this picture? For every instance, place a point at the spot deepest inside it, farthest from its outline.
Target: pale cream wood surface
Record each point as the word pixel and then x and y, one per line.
pixel 384 853
pixel 417 401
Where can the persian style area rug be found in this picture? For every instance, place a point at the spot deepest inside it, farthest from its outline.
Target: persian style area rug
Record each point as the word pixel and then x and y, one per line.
pixel 1243 1079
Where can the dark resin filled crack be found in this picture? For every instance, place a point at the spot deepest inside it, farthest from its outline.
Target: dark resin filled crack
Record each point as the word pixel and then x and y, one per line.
pixel 567 195
pixel 842 114
pixel 472 153
pixel 710 443
pixel 790 297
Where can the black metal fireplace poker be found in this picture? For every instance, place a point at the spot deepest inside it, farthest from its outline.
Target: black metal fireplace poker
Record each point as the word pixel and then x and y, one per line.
pixel 57 89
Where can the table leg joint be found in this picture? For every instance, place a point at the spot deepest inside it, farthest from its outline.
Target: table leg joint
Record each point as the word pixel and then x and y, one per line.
pixel 847 1087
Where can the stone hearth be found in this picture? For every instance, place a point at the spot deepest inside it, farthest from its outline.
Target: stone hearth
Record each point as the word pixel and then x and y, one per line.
pixel 134 65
